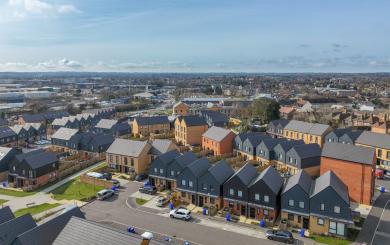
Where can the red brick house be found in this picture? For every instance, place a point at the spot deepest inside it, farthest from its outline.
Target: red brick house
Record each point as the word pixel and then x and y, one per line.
pixel 218 140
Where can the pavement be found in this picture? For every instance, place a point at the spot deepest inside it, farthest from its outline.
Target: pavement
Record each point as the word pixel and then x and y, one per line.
pixel 376 228
pixel 120 211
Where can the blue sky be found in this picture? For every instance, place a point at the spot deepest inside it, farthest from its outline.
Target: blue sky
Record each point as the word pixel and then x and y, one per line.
pixel 195 35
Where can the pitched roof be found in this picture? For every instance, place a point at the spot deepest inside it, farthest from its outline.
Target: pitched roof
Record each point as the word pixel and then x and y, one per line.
pixel 64 133
pixel 80 232
pixel 256 139
pixel 11 229
pixel 246 173
pixel 131 148
pixel 374 139
pixel 199 166
pixel 221 171
pixel 193 120
pixel 106 123
pixel 215 116
pixel 307 150
pixel 152 120
pixel 348 152
pixel 17 128
pixel 244 136
pixel 6 215
pixel 160 146
pixel 38 158
pixel 340 131
pixel 3 122
pixel 301 179
pixel 217 133
pixel 305 127
pixel 271 178
pixel 329 179
pixel 6 131
pixel 47 232
pixel 281 122
pixel 186 159
pixel 271 143
pixel 168 156
pixel 288 144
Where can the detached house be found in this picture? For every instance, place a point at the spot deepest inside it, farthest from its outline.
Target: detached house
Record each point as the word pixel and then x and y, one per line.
pixel 218 140
pixel 158 171
pixel 295 200
pixel 189 130
pixel 33 169
pixel 308 132
pixel 355 166
pixel 144 126
pixel 330 211
pixel 235 190
pixel 264 195
pixel 127 156
pixel 210 185
pixel 187 180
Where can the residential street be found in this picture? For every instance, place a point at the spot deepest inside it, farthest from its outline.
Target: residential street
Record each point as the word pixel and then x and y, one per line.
pixel 197 231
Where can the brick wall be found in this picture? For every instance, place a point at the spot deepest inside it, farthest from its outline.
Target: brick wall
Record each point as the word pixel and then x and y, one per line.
pixel 94 181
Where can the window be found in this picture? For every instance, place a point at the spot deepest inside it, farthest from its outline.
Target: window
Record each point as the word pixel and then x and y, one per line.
pixel 257 197
pixel 290 160
pixel 190 184
pixel 132 161
pixel 332 227
pixel 204 186
pixel 161 171
pixel 239 193
pixel 231 191
pixel 172 173
pixel 336 209
pixel 212 200
pixel 322 207
pixel 265 212
pixel 155 170
pixel 266 198
pixel 183 182
pixel 280 156
pixel 295 161
pixel 302 204
pixel 379 153
pixel 320 221
pixel 290 217
pixel 291 203
pixel 211 188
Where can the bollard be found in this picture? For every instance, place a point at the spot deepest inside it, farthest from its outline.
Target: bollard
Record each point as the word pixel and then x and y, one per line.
pixel 228 217
pixel 131 229
pixel 204 211
pixel 382 189
pixel 171 206
pixel 302 232
pixel 262 223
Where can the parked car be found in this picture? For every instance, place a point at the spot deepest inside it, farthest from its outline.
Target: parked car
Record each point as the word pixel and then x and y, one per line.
pixel 116 183
pixel 379 173
pixel 180 213
pixel 280 236
pixel 151 190
pixel 107 176
pixel 162 201
pixel 141 177
pixel 104 194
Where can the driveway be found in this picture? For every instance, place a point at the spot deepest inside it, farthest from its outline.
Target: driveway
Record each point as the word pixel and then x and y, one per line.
pixel 376 228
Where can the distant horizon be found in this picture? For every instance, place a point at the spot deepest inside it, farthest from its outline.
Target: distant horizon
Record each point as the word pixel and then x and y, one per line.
pixel 195 36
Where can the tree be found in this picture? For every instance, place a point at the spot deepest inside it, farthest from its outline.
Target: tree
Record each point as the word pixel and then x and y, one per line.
pixel 218 90
pixel 265 110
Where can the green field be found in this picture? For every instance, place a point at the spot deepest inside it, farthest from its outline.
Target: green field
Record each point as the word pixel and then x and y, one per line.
pixel 75 190
pixel 36 209
pixel 16 193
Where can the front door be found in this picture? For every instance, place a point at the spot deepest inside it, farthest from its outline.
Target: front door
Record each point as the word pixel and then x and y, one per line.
pixel 252 212
pixel 200 201
pixel 193 200
pixel 243 209
pixel 169 185
pixel 305 223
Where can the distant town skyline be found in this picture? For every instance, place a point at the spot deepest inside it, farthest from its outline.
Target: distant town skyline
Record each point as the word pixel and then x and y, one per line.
pixel 195 36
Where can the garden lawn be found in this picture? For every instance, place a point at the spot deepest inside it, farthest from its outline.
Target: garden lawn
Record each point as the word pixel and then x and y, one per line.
pixel 36 209
pixel 75 190
pixel 16 193
pixel 331 240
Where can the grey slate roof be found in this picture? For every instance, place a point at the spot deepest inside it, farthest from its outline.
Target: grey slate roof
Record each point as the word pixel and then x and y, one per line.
pixel 374 139
pixel 271 178
pixel 46 233
pixel 6 215
pixel 307 150
pixel 329 179
pixel 271 143
pixel 168 156
pixel 160 146
pixel 6 131
pixel 12 228
pixel 347 152
pixel 256 139
pixel 152 120
pixel 125 147
pixel 106 123
pixel 38 158
pixel 216 133
pixel 302 179
pixel 246 173
pixel 186 159
pixel 221 171
pixel 281 122
pixel 305 127
pixel 287 145
pixel 64 133
pixel 199 166
pixel 193 120
pixel 83 232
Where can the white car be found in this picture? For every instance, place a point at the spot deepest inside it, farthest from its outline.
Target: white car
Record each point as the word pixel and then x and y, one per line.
pixel 180 213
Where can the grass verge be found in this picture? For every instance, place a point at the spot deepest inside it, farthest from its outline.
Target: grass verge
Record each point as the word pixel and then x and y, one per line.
pixel 36 209
pixel 75 190
pixel 140 201
pixel 330 240
pixel 2 201
pixel 16 193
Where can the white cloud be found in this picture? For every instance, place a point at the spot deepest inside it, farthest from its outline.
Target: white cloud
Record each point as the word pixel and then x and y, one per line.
pixel 32 6
pixel 64 9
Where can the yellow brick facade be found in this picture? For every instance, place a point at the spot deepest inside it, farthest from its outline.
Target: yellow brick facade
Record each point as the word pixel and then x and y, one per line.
pixel 188 135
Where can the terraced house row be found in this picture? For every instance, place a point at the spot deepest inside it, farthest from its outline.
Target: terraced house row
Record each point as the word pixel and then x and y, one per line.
pixel 20 135
pixel 320 134
pixel 321 205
